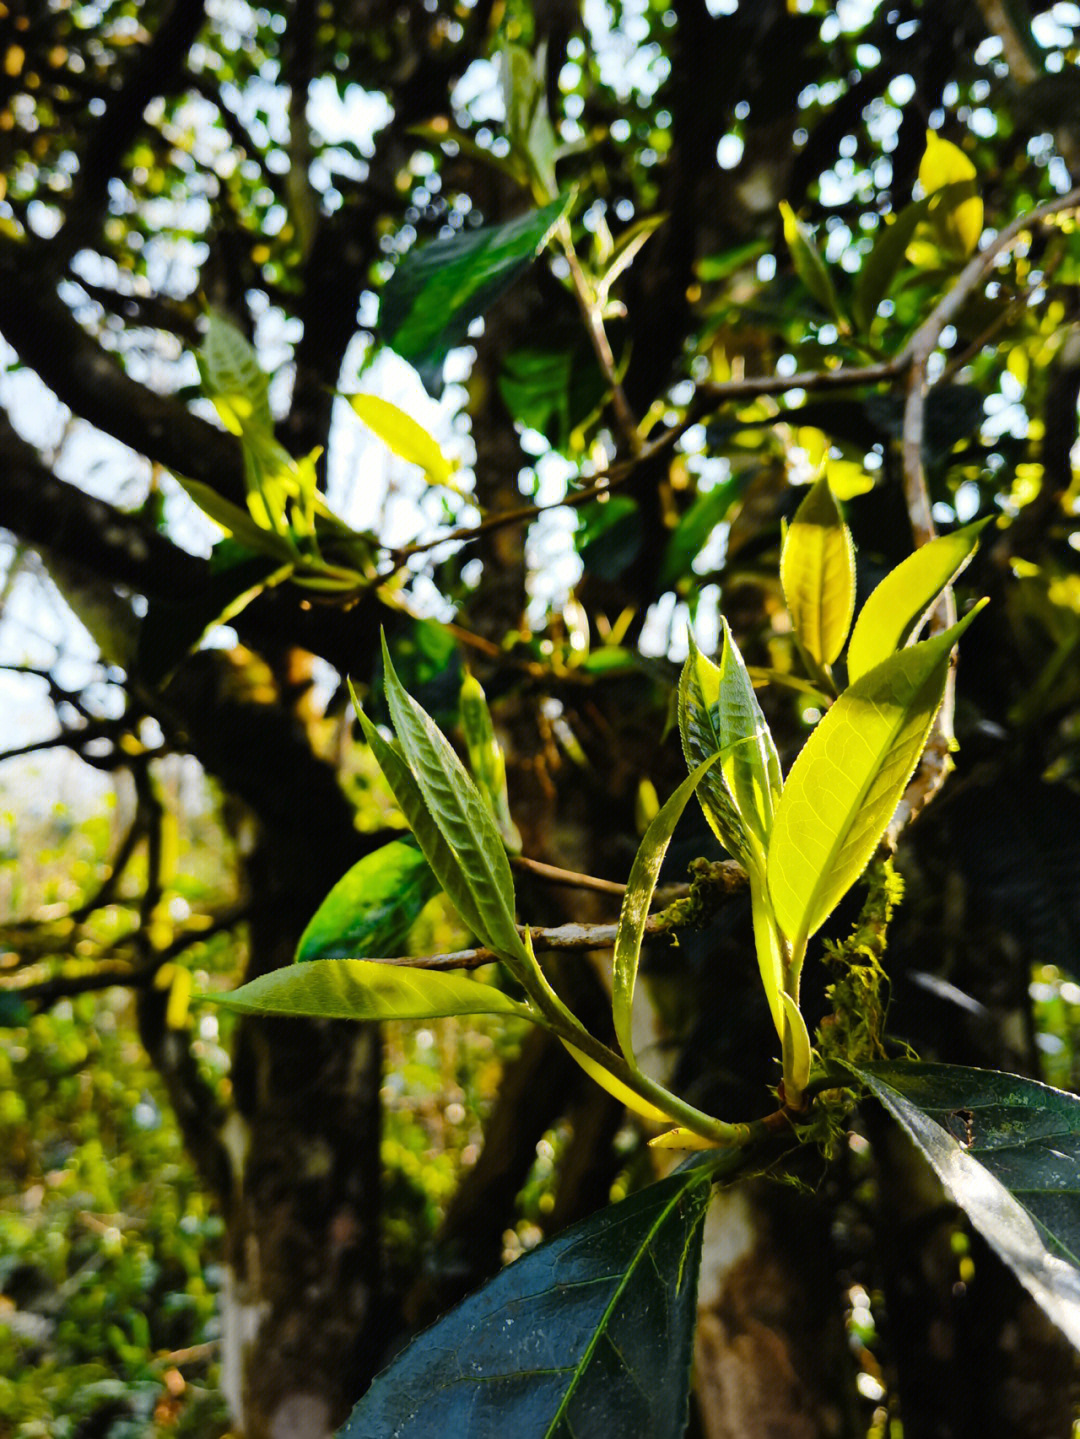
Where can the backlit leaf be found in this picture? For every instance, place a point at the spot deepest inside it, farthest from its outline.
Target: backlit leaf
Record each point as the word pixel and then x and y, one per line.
pixel 437 291
pixel 1008 1152
pixel 587 1337
pixel 848 779
pixel 957 215
pixel 233 378
pixel 401 433
pixel 365 989
pixel 809 266
pixel 369 912
pixel 637 898
pixel 817 571
pixel 719 714
pixel 236 522
pixel 898 607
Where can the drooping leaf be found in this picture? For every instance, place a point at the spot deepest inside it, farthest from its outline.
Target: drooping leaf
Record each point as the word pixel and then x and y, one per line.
pixel 900 604
pixel 809 266
pixel 369 912
pixel 439 289
pixel 459 812
pixel 817 571
pixel 444 863
pixel 364 989
pixel 587 1337
pixel 956 209
pixel 848 779
pixel 637 898
pixel 401 433
pixel 1008 1152
pixel 879 268
pixel 719 714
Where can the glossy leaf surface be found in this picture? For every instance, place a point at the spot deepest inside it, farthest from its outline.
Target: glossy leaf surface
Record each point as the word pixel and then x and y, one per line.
pixel 719 714
pixel 402 434
pixel 365 989
pixel 460 814
pixel 587 1337
pixel 640 888
pixel 817 571
pixel 369 912
pixel 847 781
pixel 1008 1152
pixel 438 289
pixel 897 608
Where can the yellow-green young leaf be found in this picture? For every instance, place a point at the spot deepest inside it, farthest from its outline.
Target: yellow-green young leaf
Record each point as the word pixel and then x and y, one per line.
pixel 232 377
pixel 817 571
pixel 767 946
pixel 486 759
pixel 241 526
pixel 796 1050
pixel 365 989
pixel 616 1088
pixel 461 816
pixel 719 714
pixel 847 781
pixel 401 433
pixel 897 609
pixel 809 266
pixel 636 900
pixel 957 216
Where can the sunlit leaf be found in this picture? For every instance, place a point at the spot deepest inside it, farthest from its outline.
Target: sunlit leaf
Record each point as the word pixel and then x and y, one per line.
pixel 1008 1152
pixel 848 779
pixel 486 759
pixel 364 989
pixel 957 215
pixel 369 912
pixel 901 603
pixel 587 1337
pixel 401 433
pixel 233 378
pixel 616 1088
pixel 878 270
pixel 462 817
pixel 796 1045
pixel 439 289
pixel 236 522
pixel 809 266
pixel 817 571
pixel 637 898
pixel 719 714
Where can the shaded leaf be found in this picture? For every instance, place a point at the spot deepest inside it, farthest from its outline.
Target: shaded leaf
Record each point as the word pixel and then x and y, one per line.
pixel 809 266
pixel 879 268
pixel 587 1337
pixel 401 433
pixel 897 609
pixel 438 289
pixel 637 898
pixel 695 527
pixel 369 912
pixel 461 816
pixel 365 989
pixel 608 538
pixel 1008 1152
pixel 719 714
pixel 817 571
pixel 848 779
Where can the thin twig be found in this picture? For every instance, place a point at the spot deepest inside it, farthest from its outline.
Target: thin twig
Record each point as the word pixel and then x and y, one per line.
pixel 569 877
pixel 564 936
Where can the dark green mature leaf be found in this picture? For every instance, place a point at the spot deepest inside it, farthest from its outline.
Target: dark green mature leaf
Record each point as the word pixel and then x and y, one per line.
pixel 608 538
pixel 369 912
pixel 465 822
pixel 809 265
pixel 1008 1152
pixel 640 888
pixel 587 1337
pixel 437 291
pixel 365 989
pixel 879 268
pixel 692 532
